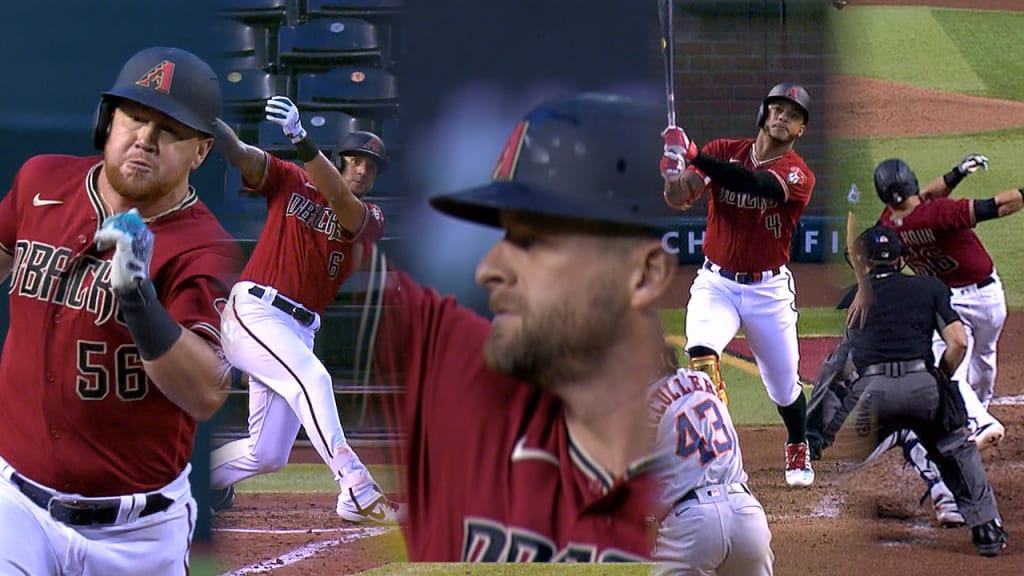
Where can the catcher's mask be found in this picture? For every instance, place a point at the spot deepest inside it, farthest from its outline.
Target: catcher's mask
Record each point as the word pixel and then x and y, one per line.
pixel 590 157
pixel 170 80
pixel 895 181
pixel 786 91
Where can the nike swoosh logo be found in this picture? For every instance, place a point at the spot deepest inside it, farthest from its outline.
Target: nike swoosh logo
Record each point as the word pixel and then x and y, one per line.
pixel 521 453
pixel 37 201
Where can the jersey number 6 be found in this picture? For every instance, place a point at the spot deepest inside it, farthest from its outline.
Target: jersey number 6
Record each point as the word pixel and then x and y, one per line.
pixel 700 430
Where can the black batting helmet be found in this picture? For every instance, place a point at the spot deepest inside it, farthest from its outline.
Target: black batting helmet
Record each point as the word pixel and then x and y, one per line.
pixel 170 80
pixel 589 157
pixel 880 244
pixel 360 143
pixel 895 181
pixel 785 91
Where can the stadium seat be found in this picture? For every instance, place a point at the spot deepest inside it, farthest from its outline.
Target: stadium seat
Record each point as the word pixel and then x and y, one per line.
pixel 320 45
pixel 245 92
pixel 355 8
pixel 358 89
pixel 326 128
pixel 392 134
pixel 241 49
pixel 270 12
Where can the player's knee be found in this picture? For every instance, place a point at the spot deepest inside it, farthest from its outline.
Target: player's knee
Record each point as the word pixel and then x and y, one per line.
pixel 268 463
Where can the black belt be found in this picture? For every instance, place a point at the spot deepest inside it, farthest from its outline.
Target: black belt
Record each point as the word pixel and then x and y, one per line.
pixel 895 369
pixel 88 512
pixel 986 282
pixel 734 488
pixel 300 313
pixel 741 277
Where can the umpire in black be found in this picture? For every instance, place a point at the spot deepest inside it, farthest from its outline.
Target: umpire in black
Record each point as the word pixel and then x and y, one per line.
pixel 901 387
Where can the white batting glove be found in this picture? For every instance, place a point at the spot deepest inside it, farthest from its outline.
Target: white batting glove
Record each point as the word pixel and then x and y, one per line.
pixel 971 163
pixel 133 249
pixel 281 111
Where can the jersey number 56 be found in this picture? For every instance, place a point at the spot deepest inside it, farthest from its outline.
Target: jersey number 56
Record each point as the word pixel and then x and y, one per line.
pixel 701 431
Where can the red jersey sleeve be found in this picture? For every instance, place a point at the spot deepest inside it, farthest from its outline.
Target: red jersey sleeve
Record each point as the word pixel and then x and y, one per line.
pixel 274 174
pixel 372 228
pixel 794 176
pixel 200 282
pixel 9 213
pixel 950 214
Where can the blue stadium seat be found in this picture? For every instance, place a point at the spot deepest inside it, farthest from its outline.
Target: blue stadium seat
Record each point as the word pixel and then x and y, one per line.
pixel 320 45
pixel 245 92
pixel 242 46
pixel 355 89
pixel 356 8
pixel 326 128
pixel 393 135
pixel 270 12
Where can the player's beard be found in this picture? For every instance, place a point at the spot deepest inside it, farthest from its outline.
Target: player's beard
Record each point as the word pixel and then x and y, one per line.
pixel 136 185
pixel 561 344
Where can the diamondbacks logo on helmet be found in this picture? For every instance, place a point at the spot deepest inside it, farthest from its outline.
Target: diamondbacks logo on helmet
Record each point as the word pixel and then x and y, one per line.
pixel 509 158
pixel 159 77
pixel 372 145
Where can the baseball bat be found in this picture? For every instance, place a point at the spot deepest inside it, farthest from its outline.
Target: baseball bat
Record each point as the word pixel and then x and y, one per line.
pixel 668 56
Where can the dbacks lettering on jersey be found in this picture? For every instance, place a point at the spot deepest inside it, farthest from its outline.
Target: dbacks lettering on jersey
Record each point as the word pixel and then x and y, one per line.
pixel 485 540
pixel 54 274
pixel 320 218
pixel 746 200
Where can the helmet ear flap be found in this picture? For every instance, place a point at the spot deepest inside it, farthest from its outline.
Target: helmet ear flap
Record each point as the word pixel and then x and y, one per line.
pixel 101 123
pixel 762 111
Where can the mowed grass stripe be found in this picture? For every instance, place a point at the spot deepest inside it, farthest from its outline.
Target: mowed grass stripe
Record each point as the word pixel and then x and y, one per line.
pixel 992 43
pixel 903 44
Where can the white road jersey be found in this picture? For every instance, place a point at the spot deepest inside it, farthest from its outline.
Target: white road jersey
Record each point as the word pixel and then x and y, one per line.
pixel 697 443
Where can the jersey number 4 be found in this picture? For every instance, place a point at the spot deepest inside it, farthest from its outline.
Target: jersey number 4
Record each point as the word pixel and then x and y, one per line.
pixel 701 431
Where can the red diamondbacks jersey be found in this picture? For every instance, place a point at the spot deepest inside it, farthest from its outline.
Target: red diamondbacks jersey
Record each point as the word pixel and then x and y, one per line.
pixel 492 474
pixel 939 241
pixel 78 412
pixel 746 233
pixel 303 252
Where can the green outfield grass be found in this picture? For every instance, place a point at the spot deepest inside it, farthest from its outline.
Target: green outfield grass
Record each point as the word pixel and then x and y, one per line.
pixel 954 50
pixel 969 52
pixel 310 479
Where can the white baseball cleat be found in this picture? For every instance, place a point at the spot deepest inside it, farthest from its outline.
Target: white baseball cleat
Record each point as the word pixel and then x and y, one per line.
pixel 361 500
pixel 799 473
pixel 380 510
pixel 988 435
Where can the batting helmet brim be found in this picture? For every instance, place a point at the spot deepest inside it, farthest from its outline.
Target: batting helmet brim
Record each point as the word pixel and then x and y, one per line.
pixel 380 161
pixel 162 103
pixel 484 204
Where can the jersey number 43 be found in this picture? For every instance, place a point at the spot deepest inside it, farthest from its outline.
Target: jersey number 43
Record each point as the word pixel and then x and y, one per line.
pixel 701 431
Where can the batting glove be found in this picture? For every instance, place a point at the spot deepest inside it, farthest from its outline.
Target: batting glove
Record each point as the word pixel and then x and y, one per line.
pixel 133 249
pixel 971 163
pixel 677 142
pixel 281 111
pixel 672 167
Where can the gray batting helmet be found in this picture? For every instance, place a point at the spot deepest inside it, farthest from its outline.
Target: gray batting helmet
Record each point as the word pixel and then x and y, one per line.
pixel 785 91
pixel 588 157
pixel 170 80
pixel 360 143
pixel 895 181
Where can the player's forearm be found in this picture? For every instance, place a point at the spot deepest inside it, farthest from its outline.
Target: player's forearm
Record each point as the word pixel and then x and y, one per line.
pixel 1008 202
pixel 935 189
pixel 349 210
pixel 250 160
pixel 956 346
pixel 191 375
pixel 737 178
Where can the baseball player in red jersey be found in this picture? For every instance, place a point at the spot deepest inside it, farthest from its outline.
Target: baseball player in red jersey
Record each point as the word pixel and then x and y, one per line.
pixel 757 190
pixel 527 435
pixel 938 235
pixel 317 232
pixel 113 348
